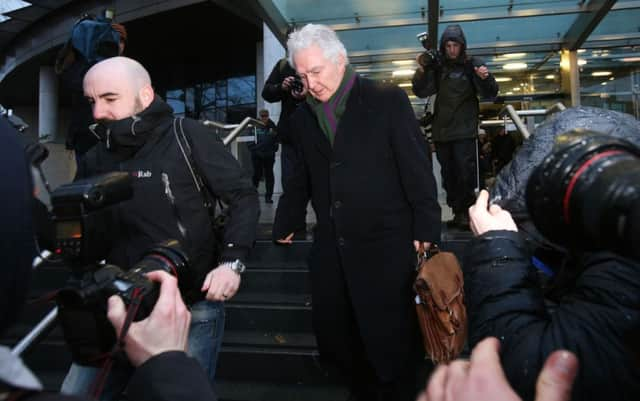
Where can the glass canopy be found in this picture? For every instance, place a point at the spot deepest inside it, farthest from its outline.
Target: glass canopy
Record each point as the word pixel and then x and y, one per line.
pixel 519 40
pixel 6 6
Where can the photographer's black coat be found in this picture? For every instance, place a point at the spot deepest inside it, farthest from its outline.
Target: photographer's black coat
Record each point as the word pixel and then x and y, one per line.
pixel 149 217
pixel 598 319
pixel 273 92
pixel 373 193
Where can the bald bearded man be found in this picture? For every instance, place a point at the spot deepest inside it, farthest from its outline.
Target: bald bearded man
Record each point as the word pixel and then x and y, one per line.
pixel 137 132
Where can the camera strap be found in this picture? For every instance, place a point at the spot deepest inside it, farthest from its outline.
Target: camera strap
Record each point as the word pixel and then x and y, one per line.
pixel 132 310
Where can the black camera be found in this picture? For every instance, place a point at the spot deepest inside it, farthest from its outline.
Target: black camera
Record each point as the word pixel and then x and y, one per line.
pixel 84 220
pixel 429 57
pixel 586 193
pixel 297 86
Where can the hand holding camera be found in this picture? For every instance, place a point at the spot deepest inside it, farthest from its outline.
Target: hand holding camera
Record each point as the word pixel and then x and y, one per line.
pixel 484 217
pixel 295 85
pixel 166 328
pixel 430 57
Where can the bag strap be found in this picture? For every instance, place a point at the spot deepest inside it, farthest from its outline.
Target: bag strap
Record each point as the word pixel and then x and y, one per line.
pixel 185 148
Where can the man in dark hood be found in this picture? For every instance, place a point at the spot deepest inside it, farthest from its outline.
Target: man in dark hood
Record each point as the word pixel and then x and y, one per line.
pixel 139 135
pixel 458 80
pixel 595 314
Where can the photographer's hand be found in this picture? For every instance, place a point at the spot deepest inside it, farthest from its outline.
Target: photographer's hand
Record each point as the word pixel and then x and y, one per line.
pixel 221 283
pixel 482 378
pixel 166 328
pixel 424 245
pixel 482 72
pixel 483 218
pixel 302 94
pixel 286 83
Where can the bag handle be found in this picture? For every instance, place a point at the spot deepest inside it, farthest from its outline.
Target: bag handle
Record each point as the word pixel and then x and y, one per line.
pixel 424 255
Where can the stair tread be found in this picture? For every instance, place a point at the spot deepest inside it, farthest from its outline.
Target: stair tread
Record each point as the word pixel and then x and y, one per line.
pixel 269 298
pixel 240 390
pixel 269 338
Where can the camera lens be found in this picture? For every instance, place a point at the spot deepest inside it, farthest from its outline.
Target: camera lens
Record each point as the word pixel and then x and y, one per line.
pixel 166 256
pixel 584 193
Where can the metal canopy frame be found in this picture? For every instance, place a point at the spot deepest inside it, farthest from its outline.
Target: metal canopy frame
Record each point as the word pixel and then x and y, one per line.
pixel 578 35
pixel 586 23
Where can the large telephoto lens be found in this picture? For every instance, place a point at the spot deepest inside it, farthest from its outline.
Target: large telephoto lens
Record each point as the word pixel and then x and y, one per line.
pixel 586 193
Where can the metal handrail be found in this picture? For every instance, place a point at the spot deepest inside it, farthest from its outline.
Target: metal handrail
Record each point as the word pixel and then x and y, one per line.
pixel 517 121
pixel 556 107
pixel 235 128
pixel 513 113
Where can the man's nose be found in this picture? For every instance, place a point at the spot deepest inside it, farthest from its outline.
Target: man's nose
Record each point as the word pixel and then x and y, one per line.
pixel 99 112
pixel 311 83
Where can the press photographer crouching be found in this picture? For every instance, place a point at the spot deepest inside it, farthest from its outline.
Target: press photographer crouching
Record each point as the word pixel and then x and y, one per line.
pixel 155 345
pixel 584 200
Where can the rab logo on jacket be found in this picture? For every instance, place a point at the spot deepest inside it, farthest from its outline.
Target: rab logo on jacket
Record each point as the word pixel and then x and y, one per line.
pixel 141 174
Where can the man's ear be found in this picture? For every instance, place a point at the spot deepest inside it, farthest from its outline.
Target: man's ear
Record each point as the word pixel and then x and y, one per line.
pixel 146 95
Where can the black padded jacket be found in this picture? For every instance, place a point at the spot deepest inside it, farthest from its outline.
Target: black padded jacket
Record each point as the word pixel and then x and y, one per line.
pixel 154 160
pixel 598 318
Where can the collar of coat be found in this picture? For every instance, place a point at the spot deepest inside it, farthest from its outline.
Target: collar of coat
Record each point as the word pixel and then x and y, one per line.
pixel 128 135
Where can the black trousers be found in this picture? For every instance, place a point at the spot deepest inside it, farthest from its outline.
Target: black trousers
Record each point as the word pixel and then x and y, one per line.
pixel 459 172
pixel 342 351
pixel 263 166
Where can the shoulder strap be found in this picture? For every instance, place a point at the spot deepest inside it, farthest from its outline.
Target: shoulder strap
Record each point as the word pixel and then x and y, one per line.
pixel 185 149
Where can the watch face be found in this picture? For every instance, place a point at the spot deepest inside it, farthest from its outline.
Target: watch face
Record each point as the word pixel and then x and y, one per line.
pixel 238 266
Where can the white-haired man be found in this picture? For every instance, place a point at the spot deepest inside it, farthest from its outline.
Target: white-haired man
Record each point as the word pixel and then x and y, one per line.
pixel 366 169
pixel 138 134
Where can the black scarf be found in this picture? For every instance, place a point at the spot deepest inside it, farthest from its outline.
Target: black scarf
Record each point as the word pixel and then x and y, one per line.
pixel 125 137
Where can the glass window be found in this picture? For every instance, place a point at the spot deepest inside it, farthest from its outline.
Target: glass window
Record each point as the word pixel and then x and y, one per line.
pixel 226 101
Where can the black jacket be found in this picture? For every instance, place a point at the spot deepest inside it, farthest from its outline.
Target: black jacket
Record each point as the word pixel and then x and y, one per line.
pixel 373 194
pixel 154 160
pixel 458 87
pixel 154 380
pixel 17 245
pixel 597 319
pixel 272 92
pixel 266 142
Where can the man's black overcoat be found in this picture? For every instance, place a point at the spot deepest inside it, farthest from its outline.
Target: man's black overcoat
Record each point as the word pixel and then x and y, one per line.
pixel 373 194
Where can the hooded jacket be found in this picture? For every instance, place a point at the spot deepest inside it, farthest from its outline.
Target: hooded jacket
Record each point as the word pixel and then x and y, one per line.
pixel 166 204
pixel 457 86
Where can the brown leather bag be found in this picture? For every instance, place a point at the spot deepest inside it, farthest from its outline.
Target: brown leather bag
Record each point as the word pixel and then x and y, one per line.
pixel 440 304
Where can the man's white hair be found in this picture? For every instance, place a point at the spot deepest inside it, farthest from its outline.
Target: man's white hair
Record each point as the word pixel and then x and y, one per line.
pixel 320 35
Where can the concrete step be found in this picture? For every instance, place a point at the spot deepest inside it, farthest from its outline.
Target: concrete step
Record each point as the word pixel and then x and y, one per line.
pixel 276 280
pixel 266 254
pixel 287 317
pixel 231 390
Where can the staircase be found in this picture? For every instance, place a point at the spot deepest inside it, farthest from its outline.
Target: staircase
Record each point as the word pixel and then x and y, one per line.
pixel 269 351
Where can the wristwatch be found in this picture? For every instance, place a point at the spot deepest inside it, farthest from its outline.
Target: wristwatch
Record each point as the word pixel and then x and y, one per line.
pixel 237 266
